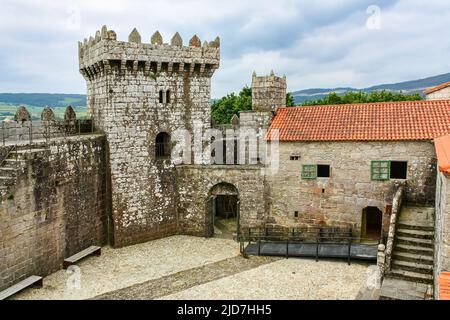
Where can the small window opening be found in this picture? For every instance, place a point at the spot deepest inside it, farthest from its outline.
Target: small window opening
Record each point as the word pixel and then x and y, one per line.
pixel 399 169
pixel 168 96
pixel 323 190
pixel 295 158
pixel 323 171
pixel 161 96
pixel 295 214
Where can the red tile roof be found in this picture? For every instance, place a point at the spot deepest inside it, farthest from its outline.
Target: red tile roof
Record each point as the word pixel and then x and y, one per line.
pixel 437 88
pixel 442 145
pixel 408 120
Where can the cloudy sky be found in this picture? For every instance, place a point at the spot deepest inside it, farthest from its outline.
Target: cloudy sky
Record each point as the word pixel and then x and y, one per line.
pixel 323 43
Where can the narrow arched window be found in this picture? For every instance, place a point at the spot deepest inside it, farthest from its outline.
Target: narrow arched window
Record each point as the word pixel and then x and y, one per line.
pixel 161 96
pixel 168 96
pixel 162 145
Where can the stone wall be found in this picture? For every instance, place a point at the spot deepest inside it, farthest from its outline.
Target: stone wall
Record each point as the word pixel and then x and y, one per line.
pixel 124 84
pixel 339 200
pixel 58 206
pixel 196 182
pixel 442 229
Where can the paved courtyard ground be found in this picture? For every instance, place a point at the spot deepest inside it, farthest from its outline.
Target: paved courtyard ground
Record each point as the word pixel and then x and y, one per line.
pixel 183 267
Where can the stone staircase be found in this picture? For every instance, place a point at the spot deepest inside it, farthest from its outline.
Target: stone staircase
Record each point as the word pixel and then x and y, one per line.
pixel 411 274
pixel 14 165
pixel 413 254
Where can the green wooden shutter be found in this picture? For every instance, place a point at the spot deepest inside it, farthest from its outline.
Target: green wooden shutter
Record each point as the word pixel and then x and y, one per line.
pixel 380 170
pixel 309 171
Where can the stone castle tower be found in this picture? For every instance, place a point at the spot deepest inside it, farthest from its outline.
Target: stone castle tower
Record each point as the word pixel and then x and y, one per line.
pixel 139 94
pixel 268 92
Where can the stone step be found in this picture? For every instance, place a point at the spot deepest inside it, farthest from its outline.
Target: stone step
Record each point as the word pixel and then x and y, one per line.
pixel 412 266
pixel 415 227
pixel 6 179
pixel 8 171
pixel 396 289
pixel 14 164
pixel 410 276
pixel 423 243
pixel 400 247
pixel 412 257
pixel 14 161
pixel 28 150
pixel 415 234
pixel 395 295
pixel 25 153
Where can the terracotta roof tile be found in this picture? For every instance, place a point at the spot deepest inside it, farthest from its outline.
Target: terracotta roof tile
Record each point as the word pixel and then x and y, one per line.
pixel 437 88
pixel 442 145
pixel 408 120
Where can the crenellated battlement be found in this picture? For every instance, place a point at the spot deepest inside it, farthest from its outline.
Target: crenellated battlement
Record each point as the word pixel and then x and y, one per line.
pixel 104 54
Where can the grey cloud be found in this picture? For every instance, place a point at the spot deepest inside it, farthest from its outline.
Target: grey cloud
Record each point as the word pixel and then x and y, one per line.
pixel 315 43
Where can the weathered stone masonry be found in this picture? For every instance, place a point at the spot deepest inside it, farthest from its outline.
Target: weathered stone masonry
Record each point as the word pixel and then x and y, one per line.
pixel 58 207
pixel 339 200
pixel 196 182
pixel 136 91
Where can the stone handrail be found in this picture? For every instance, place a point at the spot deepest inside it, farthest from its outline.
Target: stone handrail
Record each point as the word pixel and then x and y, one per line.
pixel 396 207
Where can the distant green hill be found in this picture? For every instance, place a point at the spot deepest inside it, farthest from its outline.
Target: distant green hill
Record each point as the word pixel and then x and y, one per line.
pixel 44 99
pixel 408 87
pixel 35 102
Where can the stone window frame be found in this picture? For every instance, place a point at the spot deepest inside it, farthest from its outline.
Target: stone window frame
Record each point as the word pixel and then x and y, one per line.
pixel 309 171
pixel 165 96
pixel 375 170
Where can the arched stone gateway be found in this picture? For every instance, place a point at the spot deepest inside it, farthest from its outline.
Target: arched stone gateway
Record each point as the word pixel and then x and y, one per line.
pixel 222 210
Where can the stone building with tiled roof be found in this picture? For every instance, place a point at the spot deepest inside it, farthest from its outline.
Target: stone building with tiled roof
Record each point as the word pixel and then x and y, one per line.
pixel 159 166
pixel 342 166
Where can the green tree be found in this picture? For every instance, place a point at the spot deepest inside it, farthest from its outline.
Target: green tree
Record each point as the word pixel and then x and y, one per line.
pixel 223 109
pixel 362 97
pixel 290 101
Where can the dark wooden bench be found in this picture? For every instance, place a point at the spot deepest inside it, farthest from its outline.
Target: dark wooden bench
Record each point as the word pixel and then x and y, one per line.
pixel 30 281
pixel 92 250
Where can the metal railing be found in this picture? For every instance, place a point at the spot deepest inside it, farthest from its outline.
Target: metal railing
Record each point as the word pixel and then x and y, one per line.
pixel 310 236
pixel 17 133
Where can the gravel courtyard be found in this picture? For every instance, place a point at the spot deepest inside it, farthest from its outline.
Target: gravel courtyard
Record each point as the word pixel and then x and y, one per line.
pixel 123 267
pixel 297 279
pixel 184 267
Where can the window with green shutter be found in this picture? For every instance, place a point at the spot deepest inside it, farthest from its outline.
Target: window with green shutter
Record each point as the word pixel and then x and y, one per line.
pixel 309 171
pixel 380 170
